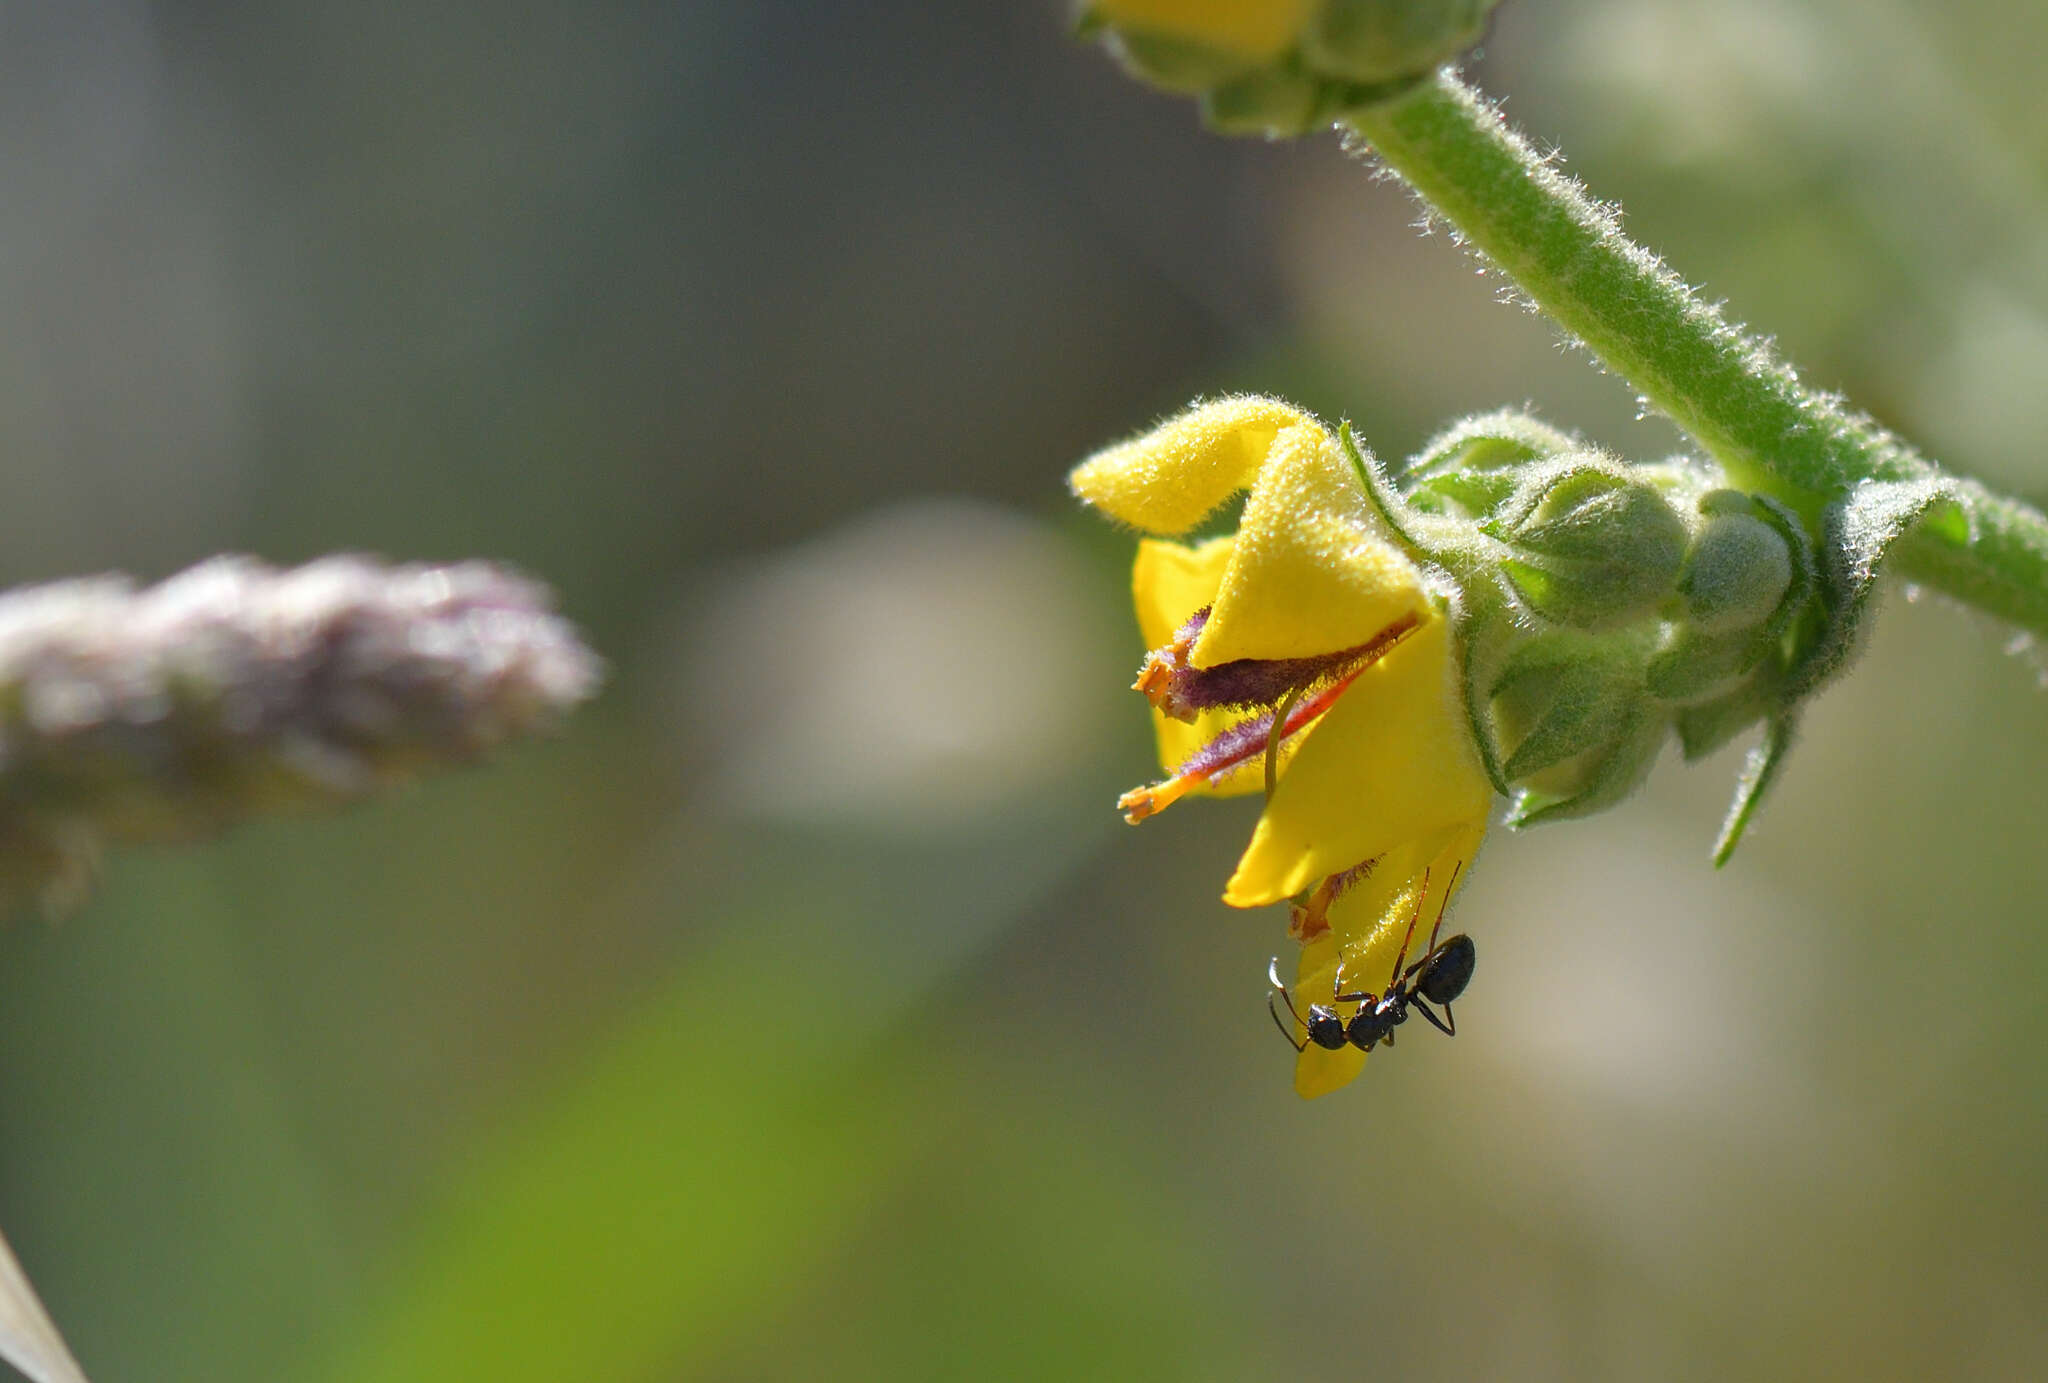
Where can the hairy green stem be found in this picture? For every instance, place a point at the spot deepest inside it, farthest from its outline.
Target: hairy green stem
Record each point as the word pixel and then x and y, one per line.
pixel 1724 387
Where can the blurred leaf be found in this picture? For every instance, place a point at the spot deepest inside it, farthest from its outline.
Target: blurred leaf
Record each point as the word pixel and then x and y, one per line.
pixel 703 1158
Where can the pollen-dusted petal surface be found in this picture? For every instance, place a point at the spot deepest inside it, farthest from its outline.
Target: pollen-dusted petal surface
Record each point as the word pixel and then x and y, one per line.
pixel 1318 1071
pixel 1253 28
pixel 1315 568
pixel 1174 476
pixel 1369 923
pixel 1392 762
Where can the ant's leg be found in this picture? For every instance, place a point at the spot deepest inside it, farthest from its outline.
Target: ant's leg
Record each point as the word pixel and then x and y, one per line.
pixel 1337 994
pixel 1363 996
pixel 1298 1046
pixel 1422 1007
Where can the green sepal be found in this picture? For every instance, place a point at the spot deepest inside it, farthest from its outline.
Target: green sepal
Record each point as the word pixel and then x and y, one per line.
pixel 1563 695
pixel 1380 490
pixel 1805 573
pixel 1706 727
pixel 1485 632
pixel 1856 533
pixel 1758 773
pixel 1491 441
pixel 1581 710
pixel 1473 464
pixel 1277 101
pixel 1695 666
pixel 1476 494
pixel 1617 774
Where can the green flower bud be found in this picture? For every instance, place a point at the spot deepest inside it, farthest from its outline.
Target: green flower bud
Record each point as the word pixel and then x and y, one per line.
pixel 1592 545
pixel 1739 569
pixel 1560 697
pixel 1475 465
pixel 1284 67
pixel 1391 40
pixel 1579 728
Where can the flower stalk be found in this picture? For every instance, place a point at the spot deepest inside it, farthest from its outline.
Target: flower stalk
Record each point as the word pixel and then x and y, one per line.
pixel 1725 388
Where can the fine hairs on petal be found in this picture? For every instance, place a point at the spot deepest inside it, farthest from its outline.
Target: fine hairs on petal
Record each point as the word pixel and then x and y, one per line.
pixel 236 688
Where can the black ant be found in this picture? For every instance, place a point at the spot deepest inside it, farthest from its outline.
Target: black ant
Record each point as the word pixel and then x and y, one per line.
pixel 1439 977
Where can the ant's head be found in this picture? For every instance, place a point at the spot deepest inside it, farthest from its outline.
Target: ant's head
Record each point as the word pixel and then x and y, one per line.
pixel 1325 1027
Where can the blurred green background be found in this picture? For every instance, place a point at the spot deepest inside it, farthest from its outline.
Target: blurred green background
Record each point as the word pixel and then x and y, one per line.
pixel 805 1010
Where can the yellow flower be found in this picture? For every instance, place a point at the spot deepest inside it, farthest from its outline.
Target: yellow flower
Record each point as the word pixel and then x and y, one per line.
pixel 1304 654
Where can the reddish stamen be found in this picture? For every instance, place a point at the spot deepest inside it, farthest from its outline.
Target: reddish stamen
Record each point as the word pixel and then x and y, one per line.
pixel 1239 745
pixel 1251 737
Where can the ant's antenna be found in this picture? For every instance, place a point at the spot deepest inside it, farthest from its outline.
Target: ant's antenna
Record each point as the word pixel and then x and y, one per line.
pixel 1285 1031
pixel 1273 974
pixel 1445 904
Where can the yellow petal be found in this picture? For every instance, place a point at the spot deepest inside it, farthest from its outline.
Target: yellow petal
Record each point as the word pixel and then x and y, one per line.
pixel 1258 29
pixel 1318 1070
pixel 1173 580
pixel 1174 476
pixel 1413 883
pixel 1315 568
pixel 1391 763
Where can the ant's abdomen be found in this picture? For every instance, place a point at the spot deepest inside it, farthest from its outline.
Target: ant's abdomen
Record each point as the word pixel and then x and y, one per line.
pixel 1450 970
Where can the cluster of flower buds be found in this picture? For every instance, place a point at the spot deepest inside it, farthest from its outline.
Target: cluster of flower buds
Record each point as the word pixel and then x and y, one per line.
pixel 1282 67
pixel 1603 605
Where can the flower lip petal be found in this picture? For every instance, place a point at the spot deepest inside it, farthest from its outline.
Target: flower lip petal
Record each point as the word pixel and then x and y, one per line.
pixel 1315 568
pixel 1171 478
